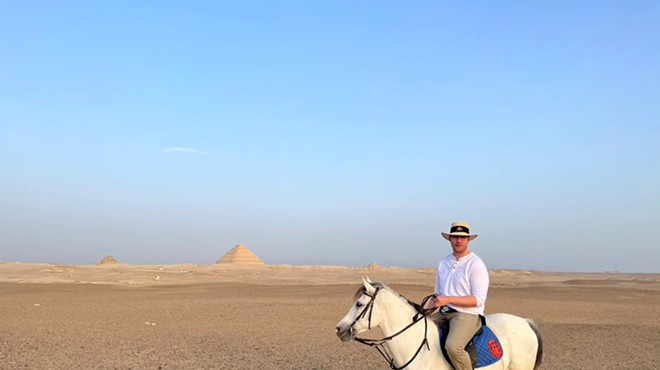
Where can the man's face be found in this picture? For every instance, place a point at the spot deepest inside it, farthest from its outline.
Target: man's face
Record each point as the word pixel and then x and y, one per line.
pixel 459 243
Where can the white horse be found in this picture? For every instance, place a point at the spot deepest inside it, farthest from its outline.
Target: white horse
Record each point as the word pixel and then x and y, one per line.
pixel 411 339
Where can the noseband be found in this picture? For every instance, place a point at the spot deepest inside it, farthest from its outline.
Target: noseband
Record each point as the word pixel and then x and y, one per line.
pixel 379 343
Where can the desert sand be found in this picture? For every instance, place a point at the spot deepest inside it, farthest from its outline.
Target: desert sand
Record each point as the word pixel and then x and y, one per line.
pixel 222 316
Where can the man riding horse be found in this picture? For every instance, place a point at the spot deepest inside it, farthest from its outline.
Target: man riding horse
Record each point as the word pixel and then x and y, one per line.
pixel 461 287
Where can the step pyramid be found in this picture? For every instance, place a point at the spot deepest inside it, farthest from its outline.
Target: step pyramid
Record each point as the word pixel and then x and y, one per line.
pixel 108 260
pixel 239 255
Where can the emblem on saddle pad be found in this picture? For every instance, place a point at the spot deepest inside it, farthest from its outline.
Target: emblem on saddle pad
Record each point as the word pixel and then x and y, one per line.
pixel 484 348
pixel 495 348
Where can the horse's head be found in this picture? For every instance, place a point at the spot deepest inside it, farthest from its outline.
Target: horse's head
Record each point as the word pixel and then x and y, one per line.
pixel 361 316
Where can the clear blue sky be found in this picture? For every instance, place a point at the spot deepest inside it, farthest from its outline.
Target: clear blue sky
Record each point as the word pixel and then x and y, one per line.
pixel 331 132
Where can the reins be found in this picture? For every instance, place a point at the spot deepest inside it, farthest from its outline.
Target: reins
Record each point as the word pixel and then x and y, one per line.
pixel 379 344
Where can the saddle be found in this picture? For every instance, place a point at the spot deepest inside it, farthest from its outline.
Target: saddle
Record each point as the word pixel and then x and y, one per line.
pixel 484 348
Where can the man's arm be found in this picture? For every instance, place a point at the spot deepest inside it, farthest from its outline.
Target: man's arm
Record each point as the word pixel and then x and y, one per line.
pixel 479 282
pixel 465 301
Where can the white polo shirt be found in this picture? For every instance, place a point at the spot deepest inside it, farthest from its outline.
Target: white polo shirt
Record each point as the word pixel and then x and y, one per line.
pixel 463 277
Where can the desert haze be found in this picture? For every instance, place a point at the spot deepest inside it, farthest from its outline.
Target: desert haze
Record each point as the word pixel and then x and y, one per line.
pixel 256 316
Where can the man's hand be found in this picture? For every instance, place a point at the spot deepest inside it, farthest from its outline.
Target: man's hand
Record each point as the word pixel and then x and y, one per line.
pixel 435 302
pixel 441 300
pixel 430 304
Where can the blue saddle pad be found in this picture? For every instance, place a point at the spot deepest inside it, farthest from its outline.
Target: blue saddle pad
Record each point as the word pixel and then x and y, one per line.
pixel 487 346
pixel 489 349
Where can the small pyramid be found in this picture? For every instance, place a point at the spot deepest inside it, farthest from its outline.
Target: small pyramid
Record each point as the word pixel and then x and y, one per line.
pixel 239 255
pixel 374 267
pixel 108 260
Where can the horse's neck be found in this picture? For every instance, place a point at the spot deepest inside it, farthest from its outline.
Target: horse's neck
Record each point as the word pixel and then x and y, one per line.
pixel 399 315
pixel 404 346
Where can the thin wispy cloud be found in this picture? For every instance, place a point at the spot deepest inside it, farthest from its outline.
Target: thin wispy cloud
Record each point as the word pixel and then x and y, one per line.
pixel 178 149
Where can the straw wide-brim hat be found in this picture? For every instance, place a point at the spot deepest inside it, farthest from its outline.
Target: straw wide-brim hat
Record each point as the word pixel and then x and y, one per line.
pixel 459 229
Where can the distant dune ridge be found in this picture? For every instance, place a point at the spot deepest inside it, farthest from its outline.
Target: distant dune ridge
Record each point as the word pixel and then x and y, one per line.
pixel 240 255
pixel 108 260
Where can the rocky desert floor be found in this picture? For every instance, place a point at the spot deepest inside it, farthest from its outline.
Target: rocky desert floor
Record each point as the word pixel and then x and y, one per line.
pixel 283 317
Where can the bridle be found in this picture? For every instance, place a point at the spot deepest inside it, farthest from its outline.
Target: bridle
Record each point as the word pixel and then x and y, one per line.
pixel 379 344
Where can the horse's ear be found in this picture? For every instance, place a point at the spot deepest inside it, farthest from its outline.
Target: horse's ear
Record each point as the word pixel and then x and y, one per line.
pixel 367 285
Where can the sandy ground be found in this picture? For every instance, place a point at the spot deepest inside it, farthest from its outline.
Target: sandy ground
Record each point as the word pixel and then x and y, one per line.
pixel 283 317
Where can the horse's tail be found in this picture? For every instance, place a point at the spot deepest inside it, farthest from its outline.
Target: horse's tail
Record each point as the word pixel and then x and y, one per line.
pixel 539 350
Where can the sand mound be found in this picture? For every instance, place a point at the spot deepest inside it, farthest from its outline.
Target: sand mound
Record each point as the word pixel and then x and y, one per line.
pixel 108 260
pixel 239 255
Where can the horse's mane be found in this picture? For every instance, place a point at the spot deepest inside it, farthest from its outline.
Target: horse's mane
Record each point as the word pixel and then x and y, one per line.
pixel 362 290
